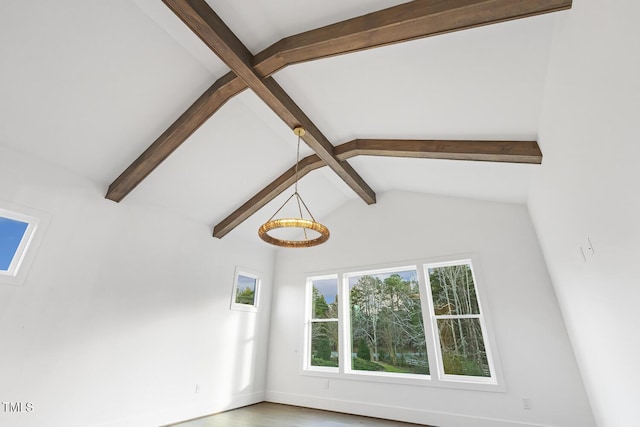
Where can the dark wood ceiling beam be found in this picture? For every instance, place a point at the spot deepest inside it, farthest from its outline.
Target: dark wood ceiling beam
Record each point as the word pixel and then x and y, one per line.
pixel 207 25
pixel 195 116
pixel 493 151
pixel 407 21
pixel 485 151
pixel 412 20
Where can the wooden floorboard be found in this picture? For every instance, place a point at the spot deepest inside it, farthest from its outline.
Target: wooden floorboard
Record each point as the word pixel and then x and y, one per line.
pixel 267 414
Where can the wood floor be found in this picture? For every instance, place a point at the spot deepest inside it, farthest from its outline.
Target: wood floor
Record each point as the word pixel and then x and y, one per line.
pixel 273 414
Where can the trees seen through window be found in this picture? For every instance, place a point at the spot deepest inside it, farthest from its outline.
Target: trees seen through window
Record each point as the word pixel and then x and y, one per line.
pixel 400 323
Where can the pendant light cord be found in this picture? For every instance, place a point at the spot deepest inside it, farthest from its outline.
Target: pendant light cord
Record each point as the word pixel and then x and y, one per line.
pixel 304 230
pixel 301 222
pixel 297 162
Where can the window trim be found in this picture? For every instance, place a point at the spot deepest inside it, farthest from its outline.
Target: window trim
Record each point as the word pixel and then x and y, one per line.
pixel 309 320
pixel 442 376
pixel 348 369
pixel 495 383
pixel 241 271
pixel 24 255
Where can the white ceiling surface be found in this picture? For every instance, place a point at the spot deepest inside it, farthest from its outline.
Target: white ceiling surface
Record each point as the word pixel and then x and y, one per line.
pixel 89 85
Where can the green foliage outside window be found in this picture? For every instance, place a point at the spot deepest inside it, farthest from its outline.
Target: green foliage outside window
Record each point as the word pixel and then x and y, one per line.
pixel 246 296
pixel 387 329
pixel 324 332
pixel 246 288
pixel 454 294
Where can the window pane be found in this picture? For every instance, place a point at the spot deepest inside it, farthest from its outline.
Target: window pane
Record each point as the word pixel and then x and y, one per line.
pixel 246 290
pixel 11 233
pixel 463 351
pixel 324 344
pixel 453 290
pixel 387 329
pixel 324 302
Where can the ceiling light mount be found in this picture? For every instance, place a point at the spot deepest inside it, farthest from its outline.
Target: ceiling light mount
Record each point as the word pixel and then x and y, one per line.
pixel 300 223
pixel 299 130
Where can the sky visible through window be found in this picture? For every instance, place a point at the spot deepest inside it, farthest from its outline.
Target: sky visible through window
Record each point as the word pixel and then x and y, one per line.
pixel 245 282
pixel 11 233
pixel 328 288
pixel 409 276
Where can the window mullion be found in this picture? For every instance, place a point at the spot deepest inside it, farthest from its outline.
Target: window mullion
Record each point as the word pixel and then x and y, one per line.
pixel 344 322
pixel 430 329
pixel 438 372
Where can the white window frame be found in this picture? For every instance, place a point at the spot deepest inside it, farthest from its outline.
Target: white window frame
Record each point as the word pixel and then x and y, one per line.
pixel 309 321
pixel 436 377
pixel 25 253
pixel 241 271
pixel 442 376
pixel 347 297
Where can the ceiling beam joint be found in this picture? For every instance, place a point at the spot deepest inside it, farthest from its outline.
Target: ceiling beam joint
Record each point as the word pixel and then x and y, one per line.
pixel 204 22
pixel 488 151
pixel 397 24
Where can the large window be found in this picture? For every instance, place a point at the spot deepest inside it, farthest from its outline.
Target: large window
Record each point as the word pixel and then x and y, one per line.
pixel 457 320
pixel 387 330
pixel 421 322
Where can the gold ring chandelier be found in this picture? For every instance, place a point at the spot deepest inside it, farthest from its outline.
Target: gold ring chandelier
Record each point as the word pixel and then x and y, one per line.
pixel 301 222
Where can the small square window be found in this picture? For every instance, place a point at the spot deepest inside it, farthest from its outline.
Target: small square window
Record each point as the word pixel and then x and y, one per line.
pixel 11 234
pixel 16 235
pixel 246 287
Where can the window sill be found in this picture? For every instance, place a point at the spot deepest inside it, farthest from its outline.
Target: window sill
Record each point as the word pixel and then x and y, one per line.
pixel 480 384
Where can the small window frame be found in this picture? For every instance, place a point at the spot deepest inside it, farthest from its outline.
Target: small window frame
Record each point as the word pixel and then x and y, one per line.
pixel 245 272
pixel 25 252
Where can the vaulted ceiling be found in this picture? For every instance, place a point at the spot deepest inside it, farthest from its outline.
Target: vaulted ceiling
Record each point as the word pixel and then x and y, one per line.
pixel 91 86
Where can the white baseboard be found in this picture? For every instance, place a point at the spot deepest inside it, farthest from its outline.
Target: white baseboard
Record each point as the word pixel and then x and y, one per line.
pixel 410 415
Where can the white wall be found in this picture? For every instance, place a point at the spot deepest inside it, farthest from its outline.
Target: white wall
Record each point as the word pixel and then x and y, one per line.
pixel 588 187
pixel 537 358
pixel 124 311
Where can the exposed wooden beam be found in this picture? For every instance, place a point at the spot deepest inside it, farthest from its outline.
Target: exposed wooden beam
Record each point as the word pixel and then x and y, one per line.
pixel 204 107
pixel 493 151
pixel 204 22
pixel 412 20
pixel 404 22
pixel 485 151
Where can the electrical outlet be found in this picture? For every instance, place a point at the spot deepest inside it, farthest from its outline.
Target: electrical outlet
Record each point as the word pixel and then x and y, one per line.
pixel 586 249
pixel 526 403
pixel 197 388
